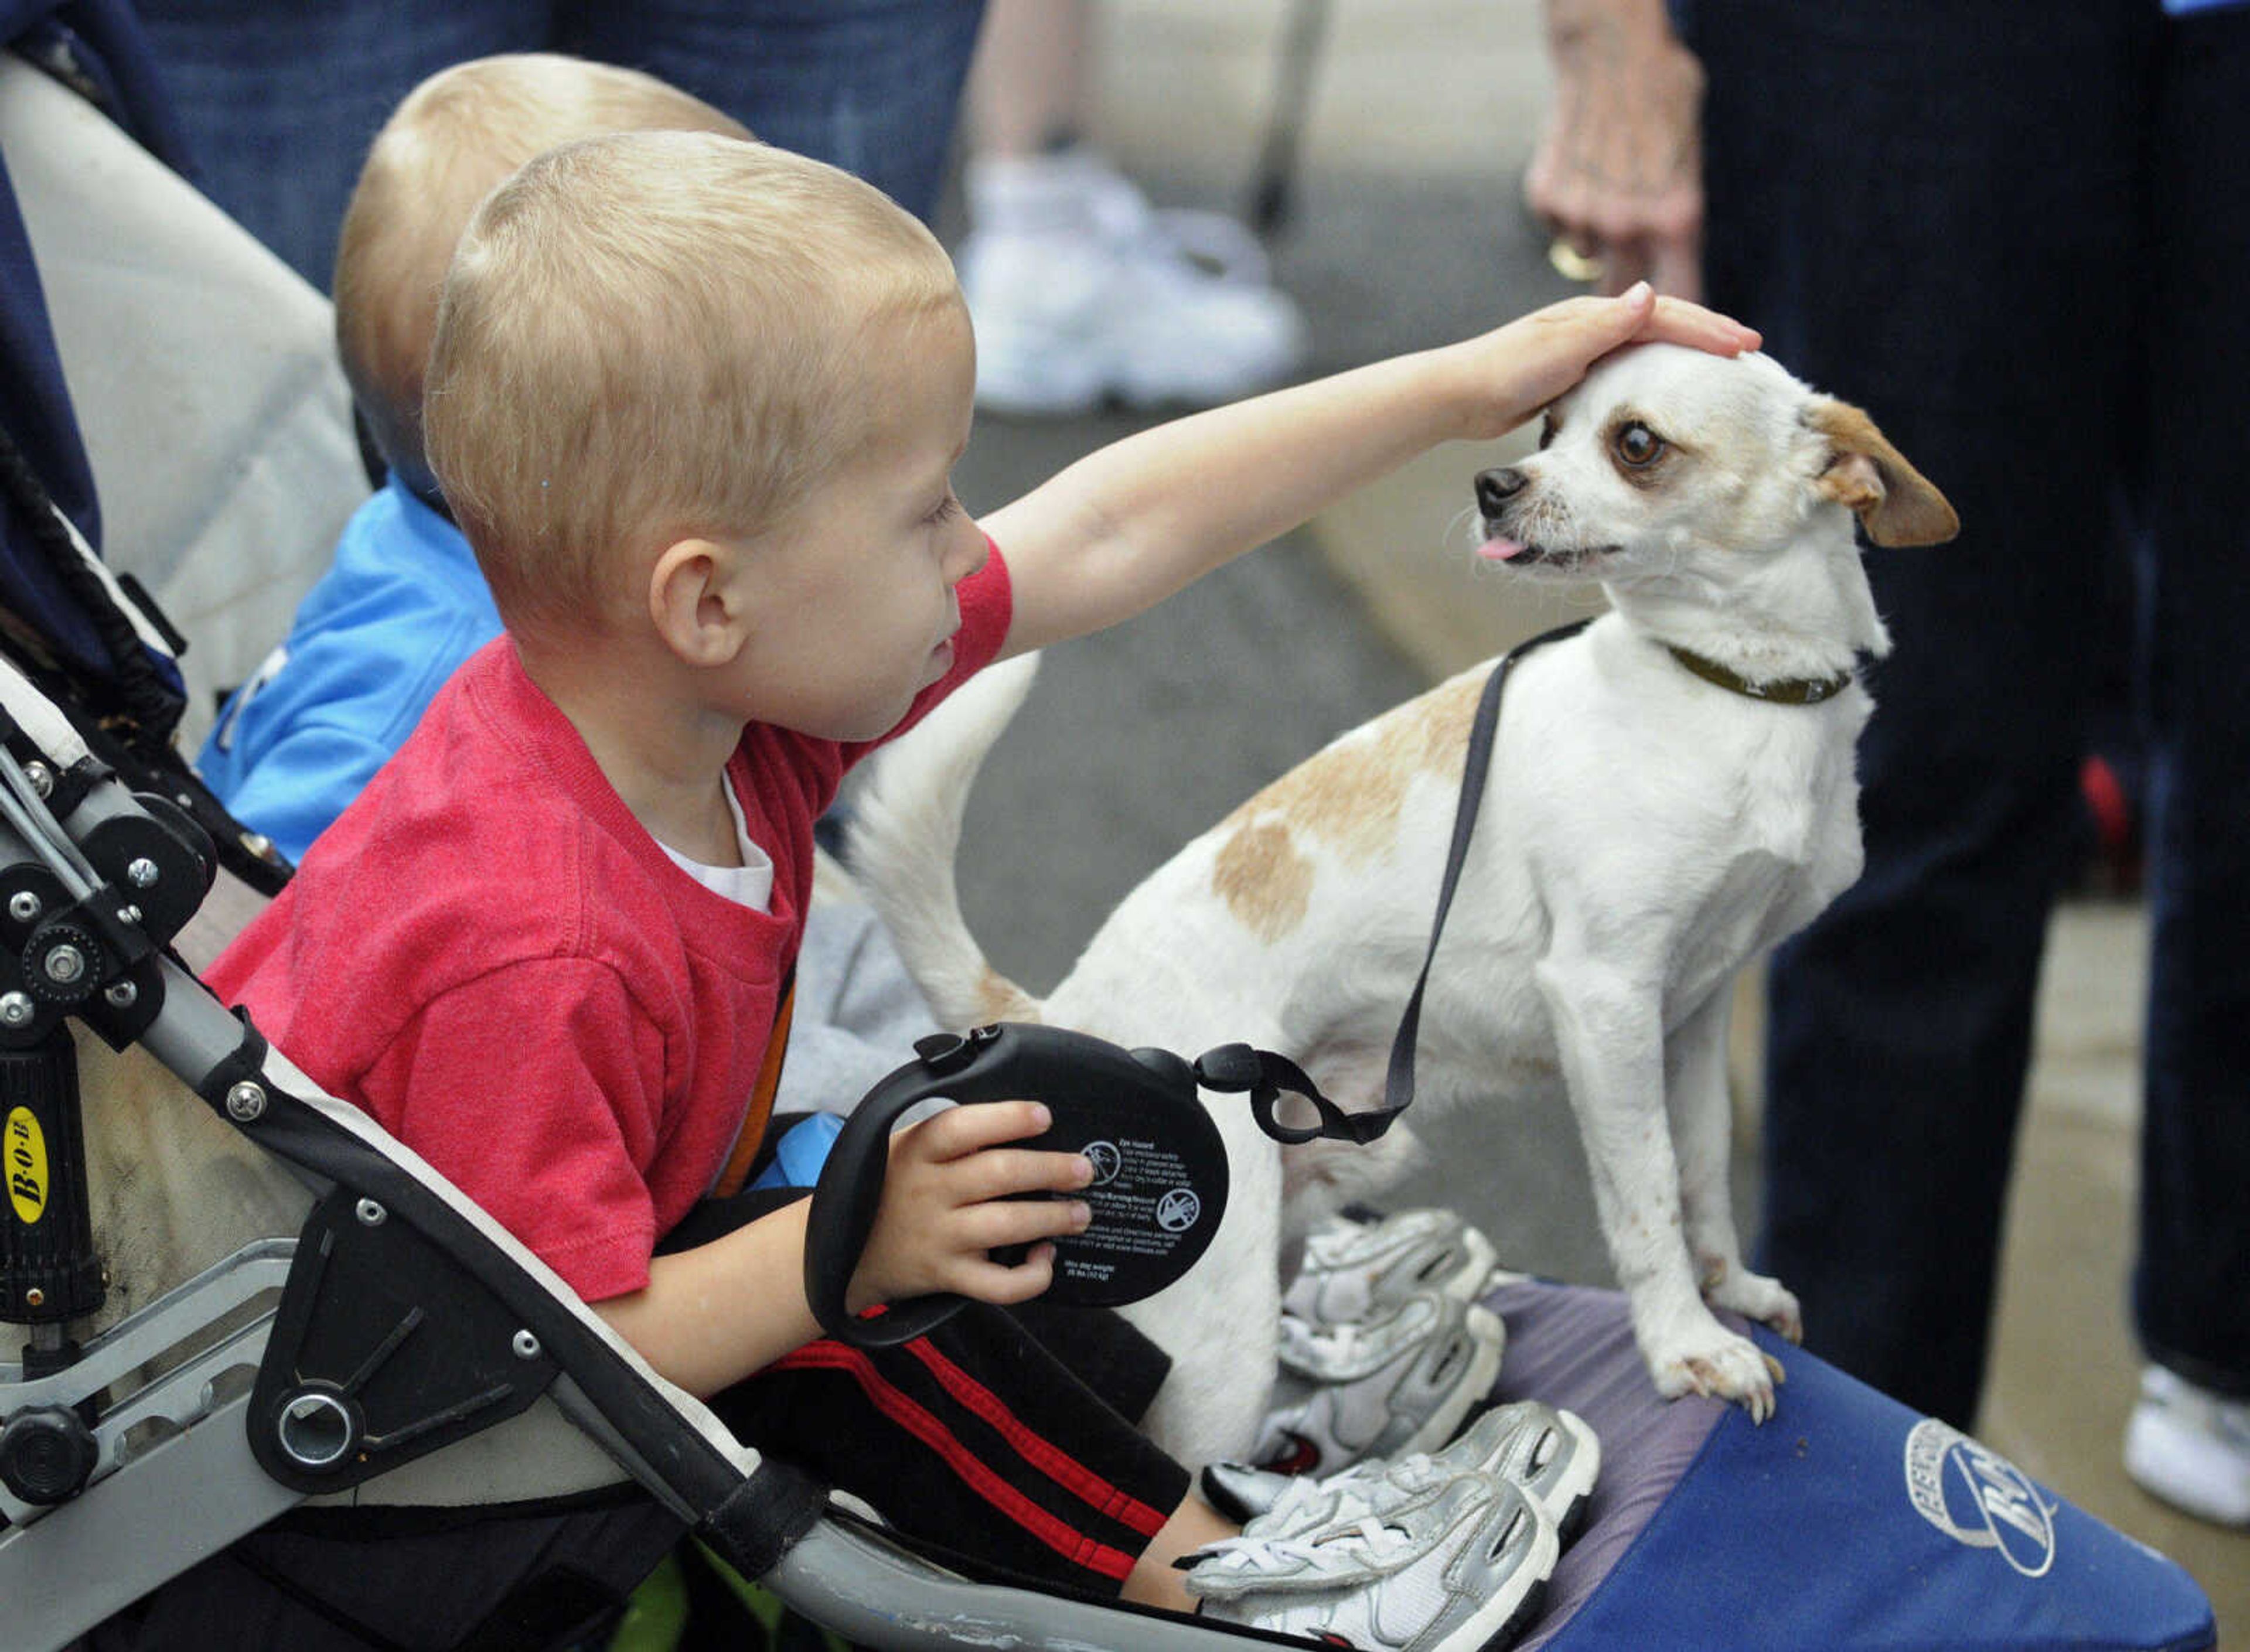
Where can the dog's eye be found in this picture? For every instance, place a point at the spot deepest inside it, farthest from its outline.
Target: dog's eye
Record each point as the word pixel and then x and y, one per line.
pixel 1638 445
pixel 1547 426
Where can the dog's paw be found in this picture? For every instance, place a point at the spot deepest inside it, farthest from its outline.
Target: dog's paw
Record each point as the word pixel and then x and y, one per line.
pixel 1756 1296
pixel 1723 1367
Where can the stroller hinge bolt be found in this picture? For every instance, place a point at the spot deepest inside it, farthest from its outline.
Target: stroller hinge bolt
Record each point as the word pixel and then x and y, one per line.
pixel 63 965
pixel 370 1214
pixel 245 1101
pixel 122 994
pixel 526 1345
pixel 141 872
pixel 24 906
pixel 317 1429
pixel 42 777
pixel 17 1009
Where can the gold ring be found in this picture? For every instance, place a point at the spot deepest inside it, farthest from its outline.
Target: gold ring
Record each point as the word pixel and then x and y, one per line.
pixel 1571 263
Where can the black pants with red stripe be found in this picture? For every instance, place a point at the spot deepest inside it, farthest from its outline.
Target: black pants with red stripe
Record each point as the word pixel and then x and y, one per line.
pixel 981 1440
pixel 1006 1438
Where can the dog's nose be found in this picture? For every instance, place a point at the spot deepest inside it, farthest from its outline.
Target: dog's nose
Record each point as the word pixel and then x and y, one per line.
pixel 1495 488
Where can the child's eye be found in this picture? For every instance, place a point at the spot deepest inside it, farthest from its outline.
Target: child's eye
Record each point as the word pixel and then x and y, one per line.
pixel 948 508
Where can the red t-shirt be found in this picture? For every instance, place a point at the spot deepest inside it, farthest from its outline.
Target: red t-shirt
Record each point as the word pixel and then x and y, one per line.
pixel 490 955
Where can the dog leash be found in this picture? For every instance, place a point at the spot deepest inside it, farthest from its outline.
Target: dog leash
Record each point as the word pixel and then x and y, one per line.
pixel 1267 1075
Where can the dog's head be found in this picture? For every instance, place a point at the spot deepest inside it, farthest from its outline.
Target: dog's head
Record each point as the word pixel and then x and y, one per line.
pixel 1664 455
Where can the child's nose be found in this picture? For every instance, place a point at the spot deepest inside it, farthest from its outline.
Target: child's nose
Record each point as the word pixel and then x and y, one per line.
pixel 968 553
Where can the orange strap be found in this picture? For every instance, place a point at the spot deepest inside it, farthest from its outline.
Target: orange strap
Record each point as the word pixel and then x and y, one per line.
pixel 753 1134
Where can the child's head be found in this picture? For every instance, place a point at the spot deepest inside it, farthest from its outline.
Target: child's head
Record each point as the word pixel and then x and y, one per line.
pixel 453 138
pixel 658 337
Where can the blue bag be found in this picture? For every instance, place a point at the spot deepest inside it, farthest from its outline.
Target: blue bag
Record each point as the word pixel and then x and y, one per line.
pixel 1846 1523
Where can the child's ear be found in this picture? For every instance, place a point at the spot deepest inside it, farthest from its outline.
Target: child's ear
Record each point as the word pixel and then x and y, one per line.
pixel 1866 474
pixel 697 600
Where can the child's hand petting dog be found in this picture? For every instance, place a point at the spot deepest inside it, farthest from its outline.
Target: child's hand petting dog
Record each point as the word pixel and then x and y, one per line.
pixel 947 1205
pixel 1523 365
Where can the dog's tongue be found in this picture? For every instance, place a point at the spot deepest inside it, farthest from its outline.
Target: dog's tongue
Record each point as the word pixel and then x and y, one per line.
pixel 1500 550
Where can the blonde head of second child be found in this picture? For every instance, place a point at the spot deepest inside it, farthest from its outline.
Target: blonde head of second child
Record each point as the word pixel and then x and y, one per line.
pixel 450 142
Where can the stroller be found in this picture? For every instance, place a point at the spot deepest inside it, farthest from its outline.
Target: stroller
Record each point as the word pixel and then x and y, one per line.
pixel 328 1334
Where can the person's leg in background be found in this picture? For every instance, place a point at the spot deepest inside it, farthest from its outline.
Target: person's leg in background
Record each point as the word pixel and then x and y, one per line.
pixel 1873 207
pixel 280 100
pixel 2190 1440
pixel 1081 290
pixel 1030 92
pixel 874 86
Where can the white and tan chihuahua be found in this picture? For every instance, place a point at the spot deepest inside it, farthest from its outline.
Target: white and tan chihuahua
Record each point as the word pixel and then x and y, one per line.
pixel 1671 793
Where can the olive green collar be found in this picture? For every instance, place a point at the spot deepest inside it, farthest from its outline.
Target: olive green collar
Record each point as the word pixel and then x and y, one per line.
pixel 1789 691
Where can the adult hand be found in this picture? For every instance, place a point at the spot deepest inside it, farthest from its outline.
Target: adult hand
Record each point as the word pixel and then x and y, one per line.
pixel 1618 174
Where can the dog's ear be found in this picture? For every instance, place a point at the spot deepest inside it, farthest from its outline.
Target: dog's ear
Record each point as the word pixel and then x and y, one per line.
pixel 1866 474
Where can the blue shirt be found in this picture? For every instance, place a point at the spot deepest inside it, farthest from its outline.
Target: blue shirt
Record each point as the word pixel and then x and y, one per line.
pixel 401 605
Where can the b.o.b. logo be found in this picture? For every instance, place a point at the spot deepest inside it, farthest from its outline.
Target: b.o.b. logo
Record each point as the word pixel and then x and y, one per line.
pixel 1976 1497
pixel 23 1159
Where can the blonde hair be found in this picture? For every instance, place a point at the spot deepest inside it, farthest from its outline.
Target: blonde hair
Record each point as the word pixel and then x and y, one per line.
pixel 656 336
pixel 451 140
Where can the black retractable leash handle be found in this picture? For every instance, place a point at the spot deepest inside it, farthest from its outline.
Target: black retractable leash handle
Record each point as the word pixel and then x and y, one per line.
pixel 1160 1168
pixel 1160 1164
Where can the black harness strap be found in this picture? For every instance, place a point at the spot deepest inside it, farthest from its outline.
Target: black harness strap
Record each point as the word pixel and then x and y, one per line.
pixel 1267 1076
pixel 143 692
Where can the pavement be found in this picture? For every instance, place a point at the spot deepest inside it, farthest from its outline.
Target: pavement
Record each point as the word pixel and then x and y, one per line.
pixel 1404 230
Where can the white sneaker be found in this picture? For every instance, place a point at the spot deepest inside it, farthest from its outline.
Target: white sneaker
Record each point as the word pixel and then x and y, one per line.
pixel 1355 1267
pixel 1081 293
pixel 1437 1562
pixel 2190 1448
pixel 1284 1504
pixel 1387 1387
pixel 1552 1455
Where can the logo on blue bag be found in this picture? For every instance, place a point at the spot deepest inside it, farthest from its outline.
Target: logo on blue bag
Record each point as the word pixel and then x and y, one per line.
pixel 1978 1498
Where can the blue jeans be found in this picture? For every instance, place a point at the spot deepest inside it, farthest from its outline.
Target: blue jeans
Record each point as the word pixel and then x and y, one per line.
pixel 2019 238
pixel 279 98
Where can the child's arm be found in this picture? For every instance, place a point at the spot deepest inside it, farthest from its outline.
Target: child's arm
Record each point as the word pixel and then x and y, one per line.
pixel 1143 516
pixel 713 1315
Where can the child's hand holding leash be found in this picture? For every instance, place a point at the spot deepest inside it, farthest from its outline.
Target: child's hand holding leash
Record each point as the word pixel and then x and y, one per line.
pixel 947 1205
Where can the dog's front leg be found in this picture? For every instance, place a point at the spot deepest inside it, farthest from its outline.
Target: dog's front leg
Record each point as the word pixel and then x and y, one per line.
pixel 1703 1135
pixel 1609 1038
pixel 1221 1325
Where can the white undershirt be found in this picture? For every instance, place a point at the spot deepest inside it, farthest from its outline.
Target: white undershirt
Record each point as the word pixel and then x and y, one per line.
pixel 748 885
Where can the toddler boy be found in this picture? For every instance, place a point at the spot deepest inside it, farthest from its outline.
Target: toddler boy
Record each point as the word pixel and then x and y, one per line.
pixel 695 402
pixel 402 604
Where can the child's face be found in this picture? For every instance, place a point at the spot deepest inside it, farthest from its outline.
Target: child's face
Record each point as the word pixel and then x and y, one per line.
pixel 858 588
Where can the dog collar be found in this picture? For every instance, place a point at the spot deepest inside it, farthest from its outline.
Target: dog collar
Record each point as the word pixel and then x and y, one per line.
pixel 1790 691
